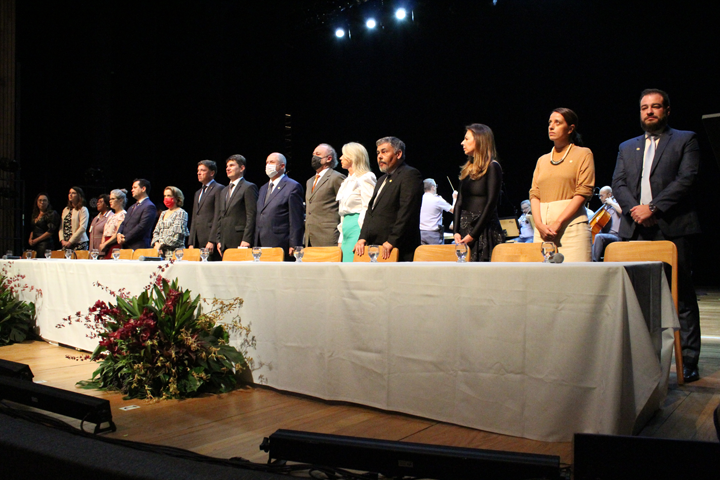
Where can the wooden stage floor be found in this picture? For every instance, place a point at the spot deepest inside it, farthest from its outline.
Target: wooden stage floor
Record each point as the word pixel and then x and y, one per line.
pixel 234 424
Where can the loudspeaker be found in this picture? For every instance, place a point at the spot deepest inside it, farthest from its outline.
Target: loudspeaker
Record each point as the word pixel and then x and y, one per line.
pixel 15 370
pixel 599 457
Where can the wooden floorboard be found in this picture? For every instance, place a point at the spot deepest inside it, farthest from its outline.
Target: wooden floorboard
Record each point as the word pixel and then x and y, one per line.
pixel 234 424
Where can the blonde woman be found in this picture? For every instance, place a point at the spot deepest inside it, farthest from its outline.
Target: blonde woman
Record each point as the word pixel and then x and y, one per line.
pixel 171 230
pixel 353 196
pixel 562 182
pixel 476 220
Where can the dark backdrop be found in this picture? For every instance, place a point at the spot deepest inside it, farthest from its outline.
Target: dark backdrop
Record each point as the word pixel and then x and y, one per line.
pixel 110 91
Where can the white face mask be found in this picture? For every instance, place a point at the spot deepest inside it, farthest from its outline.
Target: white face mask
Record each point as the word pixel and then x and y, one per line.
pixel 270 170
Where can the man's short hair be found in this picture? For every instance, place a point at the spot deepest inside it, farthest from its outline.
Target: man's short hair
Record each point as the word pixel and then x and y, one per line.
pixel 332 153
pixel 428 184
pixel 607 189
pixel 650 91
pixel 281 158
pixel 237 158
pixel 143 184
pixel 396 143
pixel 210 164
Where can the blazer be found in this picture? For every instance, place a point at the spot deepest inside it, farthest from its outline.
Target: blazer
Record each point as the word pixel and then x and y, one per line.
pixel 96 229
pixel 394 215
pixel 279 221
pixel 203 227
pixel 673 174
pixel 322 217
pixel 79 222
pixel 236 217
pixel 139 224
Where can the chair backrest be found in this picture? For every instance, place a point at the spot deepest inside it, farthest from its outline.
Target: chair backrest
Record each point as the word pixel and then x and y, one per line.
pixel 517 252
pixel 275 254
pixel 394 255
pixel 236 254
pixel 145 252
pixel 645 251
pixel 435 253
pixel 126 253
pixel 322 254
pixel 57 254
pixel 190 254
pixel 82 254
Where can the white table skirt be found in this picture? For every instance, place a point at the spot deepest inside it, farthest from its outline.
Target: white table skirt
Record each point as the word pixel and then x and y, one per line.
pixel 531 350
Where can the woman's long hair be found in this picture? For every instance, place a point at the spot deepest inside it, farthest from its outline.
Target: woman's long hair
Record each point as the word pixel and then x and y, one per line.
pixel 485 152
pixel 81 195
pixel 359 156
pixel 36 211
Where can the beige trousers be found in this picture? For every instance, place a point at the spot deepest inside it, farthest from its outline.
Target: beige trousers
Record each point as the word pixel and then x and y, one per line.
pixel 574 241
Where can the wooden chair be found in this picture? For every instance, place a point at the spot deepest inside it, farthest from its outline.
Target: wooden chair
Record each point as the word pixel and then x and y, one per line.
pixel 82 254
pixel 190 254
pixel 34 254
pixel 655 251
pixel 126 253
pixel 517 252
pixel 394 255
pixel 145 252
pixel 58 254
pixel 435 253
pixel 275 254
pixel 322 254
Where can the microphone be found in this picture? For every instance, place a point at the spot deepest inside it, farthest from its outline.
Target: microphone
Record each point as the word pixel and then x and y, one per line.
pixel 557 258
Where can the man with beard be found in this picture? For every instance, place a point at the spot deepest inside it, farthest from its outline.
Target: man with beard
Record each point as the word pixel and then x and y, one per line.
pixel 322 216
pixel 653 181
pixel 393 215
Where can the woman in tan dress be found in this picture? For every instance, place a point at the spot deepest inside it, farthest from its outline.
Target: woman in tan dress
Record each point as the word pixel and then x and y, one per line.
pixel 562 182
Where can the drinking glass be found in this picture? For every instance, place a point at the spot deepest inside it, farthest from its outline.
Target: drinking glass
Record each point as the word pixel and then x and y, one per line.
pixel 94 253
pixel 204 254
pixel 548 250
pixel 116 255
pixel 256 252
pixel 48 253
pixel 28 254
pixel 68 254
pixel 373 252
pixel 179 252
pixel 299 252
pixel 461 251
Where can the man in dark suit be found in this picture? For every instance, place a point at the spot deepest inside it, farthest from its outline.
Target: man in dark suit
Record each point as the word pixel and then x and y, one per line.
pixel 137 228
pixel 279 209
pixel 237 207
pixel 322 217
pixel 393 215
pixel 203 229
pixel 653 182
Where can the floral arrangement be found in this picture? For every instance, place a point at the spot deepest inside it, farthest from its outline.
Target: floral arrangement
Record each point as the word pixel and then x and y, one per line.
pixel 17 318
pixel 159 344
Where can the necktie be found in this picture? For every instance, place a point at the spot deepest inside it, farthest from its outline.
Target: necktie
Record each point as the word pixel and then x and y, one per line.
pixel 317 177
pixel 230 190
pixel 202 192
pixel 269 191
pixel 645 189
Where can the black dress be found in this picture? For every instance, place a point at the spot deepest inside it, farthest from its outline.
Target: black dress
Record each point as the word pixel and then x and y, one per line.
pixel 47 222
pixel 476 213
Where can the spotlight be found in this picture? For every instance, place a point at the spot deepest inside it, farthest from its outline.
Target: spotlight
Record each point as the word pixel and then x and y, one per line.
pixel 400 14
pixel 339 33
pixel 370 23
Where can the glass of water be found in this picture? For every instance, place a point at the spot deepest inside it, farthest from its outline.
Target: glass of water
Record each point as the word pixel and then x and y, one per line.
pixel 116 254
pixel 299 252
pixel 373 252
pixel 256 253
pixel 204 254
pixel 548 250
pixel 28 254
pixel 94 253
pixel 68 253
pixel 48 253
pixel 179 252
pixel 461 251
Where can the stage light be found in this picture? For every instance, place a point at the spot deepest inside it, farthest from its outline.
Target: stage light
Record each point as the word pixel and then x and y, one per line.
pixel 339 33
pixel 370 23
pixel 400 14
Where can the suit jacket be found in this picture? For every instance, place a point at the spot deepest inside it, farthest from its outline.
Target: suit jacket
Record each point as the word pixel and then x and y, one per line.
pixel 674 171
pixel 96 229
pixel 280 220
pixel 138 225
pixel 394 215
pixel 203 228
pixel 236 216
pixel 322 217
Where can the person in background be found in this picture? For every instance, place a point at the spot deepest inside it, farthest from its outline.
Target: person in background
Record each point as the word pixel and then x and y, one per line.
pixel 526 229
pixel 609 233
pixel 97 226
pixel 353 196
pixel 45 223
pixel 433 205
pixel 75 216
pixel 117 201
pixel 171 230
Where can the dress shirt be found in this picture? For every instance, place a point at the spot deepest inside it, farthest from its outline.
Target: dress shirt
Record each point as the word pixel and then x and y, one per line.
pixel 354 196
pixel 431 211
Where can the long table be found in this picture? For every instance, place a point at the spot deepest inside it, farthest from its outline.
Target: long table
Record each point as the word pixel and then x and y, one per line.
pixel 532 350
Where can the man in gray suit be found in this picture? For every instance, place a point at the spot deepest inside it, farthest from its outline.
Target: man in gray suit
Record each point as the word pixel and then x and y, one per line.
pixel 653 183
pixel 238 205
pixel 322 217
pixel 203 228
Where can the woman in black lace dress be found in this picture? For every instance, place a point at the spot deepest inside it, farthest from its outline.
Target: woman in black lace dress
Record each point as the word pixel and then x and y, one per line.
pixel 476 220
pixel 45 222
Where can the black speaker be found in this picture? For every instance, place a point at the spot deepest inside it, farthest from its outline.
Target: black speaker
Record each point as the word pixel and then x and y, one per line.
pixel 15 370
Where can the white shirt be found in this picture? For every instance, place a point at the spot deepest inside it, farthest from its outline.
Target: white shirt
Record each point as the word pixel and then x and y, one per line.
pixel 431 211
pixel 354 196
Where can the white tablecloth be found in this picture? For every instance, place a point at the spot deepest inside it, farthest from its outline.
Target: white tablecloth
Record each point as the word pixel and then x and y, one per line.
pixel 532 350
